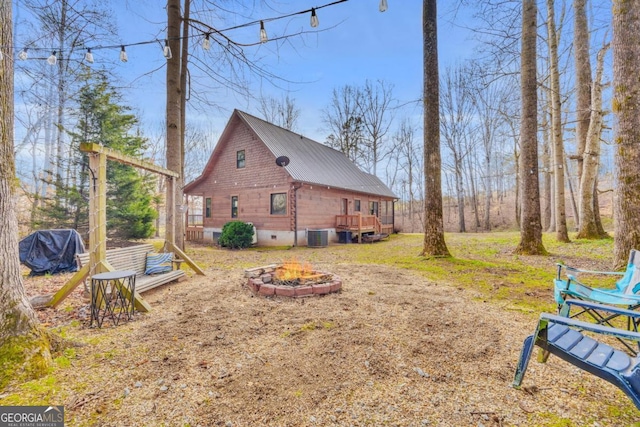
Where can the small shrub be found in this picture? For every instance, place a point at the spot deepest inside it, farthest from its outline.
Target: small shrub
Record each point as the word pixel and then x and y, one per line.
pixel 236 235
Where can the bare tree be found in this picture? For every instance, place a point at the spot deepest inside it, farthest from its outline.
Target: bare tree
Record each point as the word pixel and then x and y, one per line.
pixel 562 234
pixel 434 244
pixel 531 227
pixel 583 76
pixel 49 90
pixel 456 114
pixel 343 118
pixel 405 144
pixel 281 112
pixel 375 106
pixel 488 95
pixel 23 342
pixel 626 103
pixel 591 157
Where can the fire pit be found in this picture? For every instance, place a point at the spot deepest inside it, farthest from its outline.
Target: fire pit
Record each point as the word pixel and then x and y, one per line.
pixel 291 279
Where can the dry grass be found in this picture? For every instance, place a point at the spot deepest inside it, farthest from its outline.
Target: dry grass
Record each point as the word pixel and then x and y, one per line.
pixel 408 342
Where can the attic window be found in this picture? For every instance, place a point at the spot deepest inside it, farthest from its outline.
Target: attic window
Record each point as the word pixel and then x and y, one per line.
pixel 240 159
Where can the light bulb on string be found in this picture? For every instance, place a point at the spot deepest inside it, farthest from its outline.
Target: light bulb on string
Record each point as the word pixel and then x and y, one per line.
pixel 263 33
pixel 52 59
pixel 206 43
pixel 1 55
pixel 123 54
pixel 23 55
pixel 383 5
pixel 314 18
pixel 89 56
pixel 166 51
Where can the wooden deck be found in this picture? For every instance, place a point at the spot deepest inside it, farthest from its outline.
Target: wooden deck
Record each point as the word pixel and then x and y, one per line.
pixel 360 225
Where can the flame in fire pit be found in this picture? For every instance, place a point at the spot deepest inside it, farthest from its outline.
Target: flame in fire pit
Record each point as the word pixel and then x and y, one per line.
pixel 292 269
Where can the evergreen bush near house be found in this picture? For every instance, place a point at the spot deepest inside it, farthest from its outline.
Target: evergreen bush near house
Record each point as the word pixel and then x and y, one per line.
pixel 236 235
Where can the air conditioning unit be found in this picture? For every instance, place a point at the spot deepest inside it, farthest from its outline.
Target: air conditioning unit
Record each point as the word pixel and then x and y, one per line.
pixel 317 238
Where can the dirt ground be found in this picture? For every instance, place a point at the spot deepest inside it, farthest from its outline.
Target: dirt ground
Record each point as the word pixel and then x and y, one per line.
pixel 391 349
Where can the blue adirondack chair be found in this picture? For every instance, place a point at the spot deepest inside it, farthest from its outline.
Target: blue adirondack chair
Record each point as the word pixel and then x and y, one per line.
pixel 577 342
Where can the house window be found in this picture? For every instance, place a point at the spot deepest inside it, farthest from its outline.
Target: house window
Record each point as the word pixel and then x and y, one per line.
pixel 234 206
pixel 240 159
pixel 356 205
pixel 373 208
pixel 207 207
pixel 279 204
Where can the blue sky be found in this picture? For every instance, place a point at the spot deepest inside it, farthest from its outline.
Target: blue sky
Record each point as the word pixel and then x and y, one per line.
pixel 355 42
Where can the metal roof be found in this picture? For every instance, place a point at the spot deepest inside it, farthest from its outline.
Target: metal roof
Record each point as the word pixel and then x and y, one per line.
pixel 315 163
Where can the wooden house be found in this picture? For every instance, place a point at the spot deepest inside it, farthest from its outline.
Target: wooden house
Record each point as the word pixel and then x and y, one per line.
pixel 294 190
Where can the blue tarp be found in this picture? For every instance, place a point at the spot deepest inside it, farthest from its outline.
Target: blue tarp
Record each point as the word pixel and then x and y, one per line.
pixel 51 251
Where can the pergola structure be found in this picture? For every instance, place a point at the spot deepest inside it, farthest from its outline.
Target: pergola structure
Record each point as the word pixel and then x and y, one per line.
pixel 98 263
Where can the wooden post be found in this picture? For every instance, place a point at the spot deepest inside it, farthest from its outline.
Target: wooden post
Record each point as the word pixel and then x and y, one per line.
pixel 98 213
pixel 170 232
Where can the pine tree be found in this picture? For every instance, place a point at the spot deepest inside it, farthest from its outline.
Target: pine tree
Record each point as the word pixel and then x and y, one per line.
pixel 102 119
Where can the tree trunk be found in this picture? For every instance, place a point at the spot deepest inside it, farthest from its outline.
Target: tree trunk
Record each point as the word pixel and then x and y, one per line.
pixel 434 243
pixel 462 228
pixel 546 164
pixel 583 77
pixel 487 191
pixel 531 228
pixel 626 103
pixel 184 63
pixel 591 158
pixel 562 235
pixel 24 347
pixel 572 196
pixel 174 128
pixel 596 204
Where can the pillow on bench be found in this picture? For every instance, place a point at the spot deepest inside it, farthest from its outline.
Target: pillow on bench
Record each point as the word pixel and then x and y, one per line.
pixel 158 263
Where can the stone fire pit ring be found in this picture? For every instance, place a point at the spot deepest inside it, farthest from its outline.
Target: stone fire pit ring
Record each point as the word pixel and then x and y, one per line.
pixel 260 281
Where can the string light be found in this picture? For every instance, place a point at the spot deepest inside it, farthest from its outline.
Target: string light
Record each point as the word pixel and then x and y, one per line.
pixel 206 43
pixel 1 55
pixel 383 5
pixel 52 59
pixel 263 33
pixel 166 51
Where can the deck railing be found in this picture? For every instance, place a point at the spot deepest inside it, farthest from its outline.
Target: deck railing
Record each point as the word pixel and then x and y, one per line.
pixel 194 234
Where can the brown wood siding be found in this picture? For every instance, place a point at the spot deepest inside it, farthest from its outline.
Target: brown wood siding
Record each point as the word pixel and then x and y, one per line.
pixel 253 184
pixel 317 205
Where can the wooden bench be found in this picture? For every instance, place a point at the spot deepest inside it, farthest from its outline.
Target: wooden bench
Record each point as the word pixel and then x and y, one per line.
pixel 135 258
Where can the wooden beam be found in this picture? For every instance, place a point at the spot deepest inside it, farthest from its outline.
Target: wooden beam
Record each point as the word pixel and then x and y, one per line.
pixel 90 147
pixel 68 287
pixel 173 248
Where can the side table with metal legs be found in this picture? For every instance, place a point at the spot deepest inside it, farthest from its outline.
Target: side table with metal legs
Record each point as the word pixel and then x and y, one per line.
pixel 112 296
